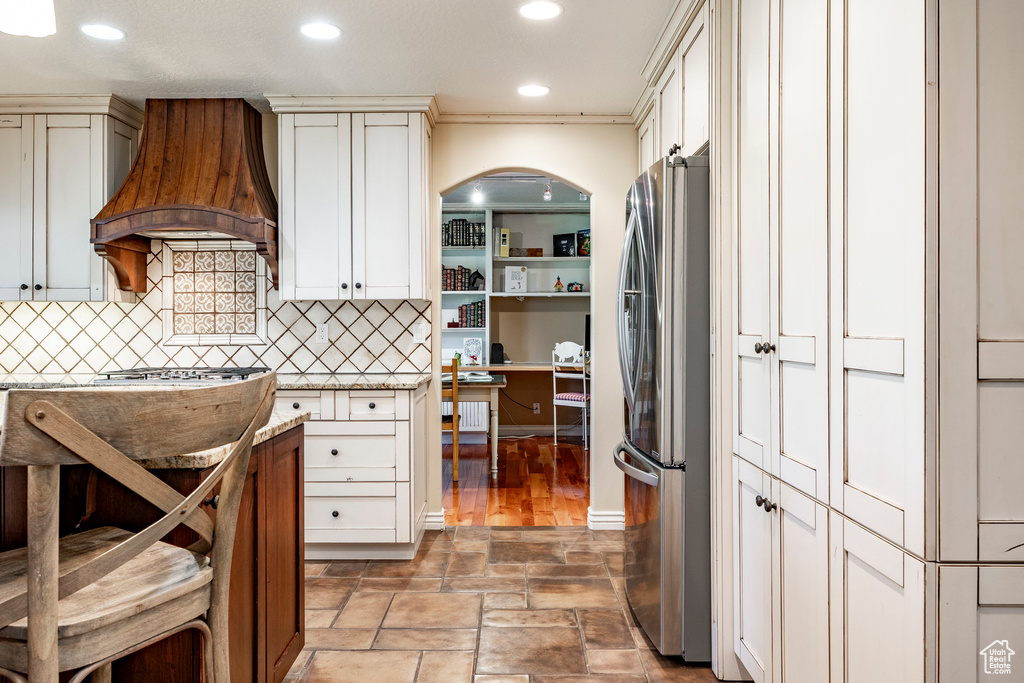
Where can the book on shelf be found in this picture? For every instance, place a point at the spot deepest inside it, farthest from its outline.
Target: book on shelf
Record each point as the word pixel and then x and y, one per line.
pixel 459 232
pixel 473 314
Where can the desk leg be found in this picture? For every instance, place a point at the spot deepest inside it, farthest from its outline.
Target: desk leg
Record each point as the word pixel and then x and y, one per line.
pixel 494 432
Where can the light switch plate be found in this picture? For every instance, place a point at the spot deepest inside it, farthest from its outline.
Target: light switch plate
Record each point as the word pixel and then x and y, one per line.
pixel 419 333
pixel 321 334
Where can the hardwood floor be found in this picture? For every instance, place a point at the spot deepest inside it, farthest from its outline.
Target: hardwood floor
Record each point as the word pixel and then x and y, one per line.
pixel 533 487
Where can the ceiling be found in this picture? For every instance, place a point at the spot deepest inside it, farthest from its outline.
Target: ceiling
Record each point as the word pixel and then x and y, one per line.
pixel 472 54
pixel 518 188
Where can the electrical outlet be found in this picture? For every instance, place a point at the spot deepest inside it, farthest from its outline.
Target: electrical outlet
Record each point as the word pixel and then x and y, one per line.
pixel 536 409
pixel 321 334
pixel 419 333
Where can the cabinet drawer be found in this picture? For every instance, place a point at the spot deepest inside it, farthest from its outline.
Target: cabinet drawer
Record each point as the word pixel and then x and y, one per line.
pixel 320 404
pixel 357 451
pixel 386 405
pixel 353 518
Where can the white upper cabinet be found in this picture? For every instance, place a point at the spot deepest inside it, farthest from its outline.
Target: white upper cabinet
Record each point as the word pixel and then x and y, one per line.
pixel 675 109
pixel 354 182
pixel 16 207
pixel 57 170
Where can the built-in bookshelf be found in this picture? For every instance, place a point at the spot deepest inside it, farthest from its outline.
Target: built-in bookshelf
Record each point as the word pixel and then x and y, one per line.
pixel 530 227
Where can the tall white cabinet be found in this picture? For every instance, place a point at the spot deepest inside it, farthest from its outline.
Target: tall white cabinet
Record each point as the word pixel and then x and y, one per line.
pixel 354 185
pixel 878 528
pixel 61 159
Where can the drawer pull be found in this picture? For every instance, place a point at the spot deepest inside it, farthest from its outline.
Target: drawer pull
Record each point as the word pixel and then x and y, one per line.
pixel 335 513
pixel 372 406
pixel 295 406
pixel 350 478
pixel 334 451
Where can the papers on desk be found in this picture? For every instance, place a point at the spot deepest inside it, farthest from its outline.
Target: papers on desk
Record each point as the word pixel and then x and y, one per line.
pixel 466 377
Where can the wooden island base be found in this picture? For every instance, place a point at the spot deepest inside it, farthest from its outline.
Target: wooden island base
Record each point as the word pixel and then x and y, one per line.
pixel 267 627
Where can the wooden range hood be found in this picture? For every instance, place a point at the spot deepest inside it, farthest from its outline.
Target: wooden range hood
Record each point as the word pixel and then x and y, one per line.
pixel 200 166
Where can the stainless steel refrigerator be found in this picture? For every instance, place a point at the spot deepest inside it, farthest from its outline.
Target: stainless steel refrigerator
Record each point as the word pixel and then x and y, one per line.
pixel 664 335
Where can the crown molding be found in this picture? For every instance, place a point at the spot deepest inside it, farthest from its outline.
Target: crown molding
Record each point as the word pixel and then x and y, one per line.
pixel 110 105
pixel 298 104
pixel 643 106
pixel 536 118
pixel 678 22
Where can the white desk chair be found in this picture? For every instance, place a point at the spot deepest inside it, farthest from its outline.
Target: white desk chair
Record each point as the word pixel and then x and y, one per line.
pixel 567 363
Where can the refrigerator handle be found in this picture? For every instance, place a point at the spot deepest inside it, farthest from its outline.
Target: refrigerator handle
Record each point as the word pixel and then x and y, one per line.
pixel 644 477
pixel 627 381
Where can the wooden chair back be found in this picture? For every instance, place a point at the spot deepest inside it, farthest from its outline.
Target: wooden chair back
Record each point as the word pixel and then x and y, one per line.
pixel 111 429
pixel 453 394
pixel 567 362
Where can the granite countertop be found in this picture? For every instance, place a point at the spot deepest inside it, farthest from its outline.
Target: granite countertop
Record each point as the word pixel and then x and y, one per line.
pixel 284 381
pixel 352 381
pixel 280 422
pixel 30 381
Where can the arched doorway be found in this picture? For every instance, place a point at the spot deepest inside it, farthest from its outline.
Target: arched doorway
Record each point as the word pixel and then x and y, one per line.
pixel 515 280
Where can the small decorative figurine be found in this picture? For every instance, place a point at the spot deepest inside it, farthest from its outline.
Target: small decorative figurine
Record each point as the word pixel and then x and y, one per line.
pixel 558 284
pixel 575 287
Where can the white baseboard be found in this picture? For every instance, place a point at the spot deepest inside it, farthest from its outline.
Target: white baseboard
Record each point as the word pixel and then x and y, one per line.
pixel 613 520
pixel 434 520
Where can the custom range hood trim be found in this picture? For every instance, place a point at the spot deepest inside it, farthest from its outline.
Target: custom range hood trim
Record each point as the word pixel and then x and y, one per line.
pixel 200 166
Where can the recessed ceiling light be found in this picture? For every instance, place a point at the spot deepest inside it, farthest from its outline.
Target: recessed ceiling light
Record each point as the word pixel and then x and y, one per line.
pixel 320 30
pixel 102 31
pixel 32 18
pixel 534 90
pixel 541 9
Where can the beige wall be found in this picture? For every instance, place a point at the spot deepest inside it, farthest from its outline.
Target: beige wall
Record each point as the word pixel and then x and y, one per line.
pixel 599 159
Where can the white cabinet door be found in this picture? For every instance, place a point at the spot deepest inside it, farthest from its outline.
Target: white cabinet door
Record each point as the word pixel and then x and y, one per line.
pixel 669 94
pixel 67 195
pixel 800 587
pixel 388 219
pixel 695 53
pixel 647 137
pixel 877 380
pixel 751 292
pixel 316 206
pixel 877 610
pixel 981 625
pixel 80 161
pixel 981 386
pixel 752 576
pixel 16 207
pixel 800 252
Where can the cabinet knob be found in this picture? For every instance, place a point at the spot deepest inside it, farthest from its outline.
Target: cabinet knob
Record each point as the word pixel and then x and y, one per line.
pixel 24 286
pixel 372 406
pixel 759 501
pixel 334 451
pixel 38 287
pixel 335 513
pixel 212 502
pixel 359 285
pixel 295 406
pixel 769 506
pixel 344 285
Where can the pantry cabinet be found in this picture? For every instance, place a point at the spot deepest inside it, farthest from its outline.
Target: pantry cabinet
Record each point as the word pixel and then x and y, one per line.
pixel 365 471
pixel 61 159
pixel 878 337
pixel 354 186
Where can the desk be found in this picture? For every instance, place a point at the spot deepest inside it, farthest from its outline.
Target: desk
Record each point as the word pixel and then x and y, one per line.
pixel 484 390
pixel 514 367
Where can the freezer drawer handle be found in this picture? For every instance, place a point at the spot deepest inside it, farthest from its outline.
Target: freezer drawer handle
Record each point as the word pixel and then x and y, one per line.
pixel 649 478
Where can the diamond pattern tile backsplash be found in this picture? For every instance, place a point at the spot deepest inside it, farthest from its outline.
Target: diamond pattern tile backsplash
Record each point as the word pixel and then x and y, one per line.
pixel 70 337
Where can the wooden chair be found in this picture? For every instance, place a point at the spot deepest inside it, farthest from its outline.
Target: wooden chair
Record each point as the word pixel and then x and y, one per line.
pixel 95 596
pixel 567 362
pixel 453 394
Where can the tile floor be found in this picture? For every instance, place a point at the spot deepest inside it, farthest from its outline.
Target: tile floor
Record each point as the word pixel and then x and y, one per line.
pixel 482 605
